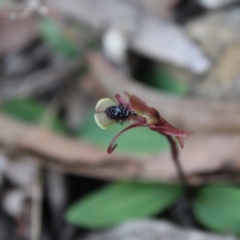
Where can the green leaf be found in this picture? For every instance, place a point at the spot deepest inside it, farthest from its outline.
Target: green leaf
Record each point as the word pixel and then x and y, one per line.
pixel 30 111
pixel 120 202
pixel 218 208
pixel 56 39
pixel 24 109
pixel 138 140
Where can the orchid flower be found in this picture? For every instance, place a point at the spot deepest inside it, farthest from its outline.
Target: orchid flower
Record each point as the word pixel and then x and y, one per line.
pixel 140 114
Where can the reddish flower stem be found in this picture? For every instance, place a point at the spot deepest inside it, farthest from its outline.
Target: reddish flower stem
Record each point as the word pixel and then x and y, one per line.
pixel 175 157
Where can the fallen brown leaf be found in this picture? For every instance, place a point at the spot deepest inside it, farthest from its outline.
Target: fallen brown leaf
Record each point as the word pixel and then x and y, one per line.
pixel 15 35
pixel 38 81
pixel 202 158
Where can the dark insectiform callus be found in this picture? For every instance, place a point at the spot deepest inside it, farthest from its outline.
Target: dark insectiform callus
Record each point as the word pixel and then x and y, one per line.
pixel 120 113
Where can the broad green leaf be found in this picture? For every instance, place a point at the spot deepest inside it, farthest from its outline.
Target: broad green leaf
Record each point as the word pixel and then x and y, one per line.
pixel 120 202
pixel 56 39
pixel 24 109
pixel 29 110
pixel 218 208
pixel 135 140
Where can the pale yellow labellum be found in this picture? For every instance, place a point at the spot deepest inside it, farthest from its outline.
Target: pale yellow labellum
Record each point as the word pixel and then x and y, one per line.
pixel 100 117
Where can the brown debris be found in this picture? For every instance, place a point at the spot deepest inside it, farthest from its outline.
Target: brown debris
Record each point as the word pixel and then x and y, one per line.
pixel 15 35
pixel 202 154
pixel 38 81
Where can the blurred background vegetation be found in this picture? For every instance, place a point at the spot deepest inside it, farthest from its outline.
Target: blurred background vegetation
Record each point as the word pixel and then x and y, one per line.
pixel 58 58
